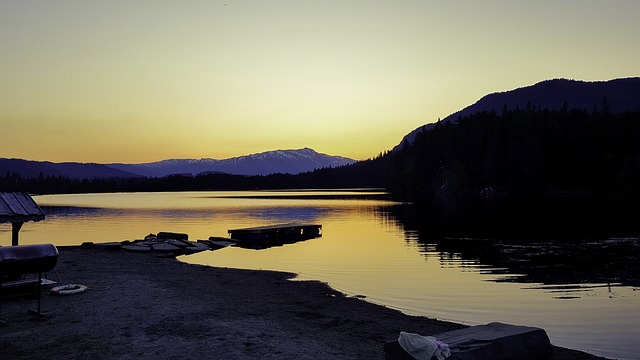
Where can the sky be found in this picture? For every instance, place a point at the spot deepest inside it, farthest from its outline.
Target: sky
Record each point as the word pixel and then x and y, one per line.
pixel 142 81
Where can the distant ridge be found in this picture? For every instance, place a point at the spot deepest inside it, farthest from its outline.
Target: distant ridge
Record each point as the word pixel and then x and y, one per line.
pixel 74 170
pixel 619 95
pixel 270 162
pixel 277 161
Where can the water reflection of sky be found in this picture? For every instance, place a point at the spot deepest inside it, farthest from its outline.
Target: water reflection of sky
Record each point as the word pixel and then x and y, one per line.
pixel 74 219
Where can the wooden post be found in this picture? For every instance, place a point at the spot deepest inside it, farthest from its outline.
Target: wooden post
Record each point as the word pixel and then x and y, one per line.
pixel 15 229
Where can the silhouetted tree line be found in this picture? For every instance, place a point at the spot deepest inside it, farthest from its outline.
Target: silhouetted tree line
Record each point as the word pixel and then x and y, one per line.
pixel 526 151
pixel 361 174
pixel 515 151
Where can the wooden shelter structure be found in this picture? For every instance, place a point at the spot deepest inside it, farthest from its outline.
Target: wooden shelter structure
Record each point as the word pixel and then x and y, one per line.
pixel 18 208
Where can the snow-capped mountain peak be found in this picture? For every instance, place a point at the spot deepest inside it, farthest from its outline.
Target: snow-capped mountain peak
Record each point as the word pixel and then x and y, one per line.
pixel 292 161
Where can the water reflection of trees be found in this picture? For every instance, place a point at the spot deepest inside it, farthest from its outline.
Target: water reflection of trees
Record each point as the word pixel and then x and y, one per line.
pixel 70 211
pixel 549 241
pixel 262 213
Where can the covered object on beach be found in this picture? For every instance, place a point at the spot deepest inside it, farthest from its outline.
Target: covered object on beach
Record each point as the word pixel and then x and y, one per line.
pixel 18 208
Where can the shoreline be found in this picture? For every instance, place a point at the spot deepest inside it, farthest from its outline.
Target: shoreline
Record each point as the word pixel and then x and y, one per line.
pixel 142 306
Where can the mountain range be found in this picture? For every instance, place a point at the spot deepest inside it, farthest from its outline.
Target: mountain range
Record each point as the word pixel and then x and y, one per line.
pixel 270 162
pixel 614 96
pixel 617 96
pixel 277 161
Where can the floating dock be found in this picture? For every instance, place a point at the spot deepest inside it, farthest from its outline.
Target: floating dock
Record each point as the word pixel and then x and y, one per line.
pixel 280 232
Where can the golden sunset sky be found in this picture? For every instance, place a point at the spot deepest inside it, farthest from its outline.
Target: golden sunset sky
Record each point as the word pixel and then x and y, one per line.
pixel 140 81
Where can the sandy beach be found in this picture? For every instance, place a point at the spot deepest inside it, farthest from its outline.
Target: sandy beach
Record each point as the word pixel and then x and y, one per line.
pixel 141 306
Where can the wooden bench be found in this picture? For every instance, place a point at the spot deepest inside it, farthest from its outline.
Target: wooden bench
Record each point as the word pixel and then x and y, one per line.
pixel 17 265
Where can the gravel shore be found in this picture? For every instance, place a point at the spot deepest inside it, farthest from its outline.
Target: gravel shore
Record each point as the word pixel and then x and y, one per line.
pixel 140 306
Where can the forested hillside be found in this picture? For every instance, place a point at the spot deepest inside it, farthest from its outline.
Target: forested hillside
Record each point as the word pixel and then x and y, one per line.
pixel 523 151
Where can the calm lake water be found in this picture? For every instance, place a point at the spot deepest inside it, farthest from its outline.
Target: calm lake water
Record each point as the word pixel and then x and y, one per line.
pixel 570 268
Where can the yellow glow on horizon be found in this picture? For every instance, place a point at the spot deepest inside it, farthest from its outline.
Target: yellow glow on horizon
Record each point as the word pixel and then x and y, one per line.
pixel 150 80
